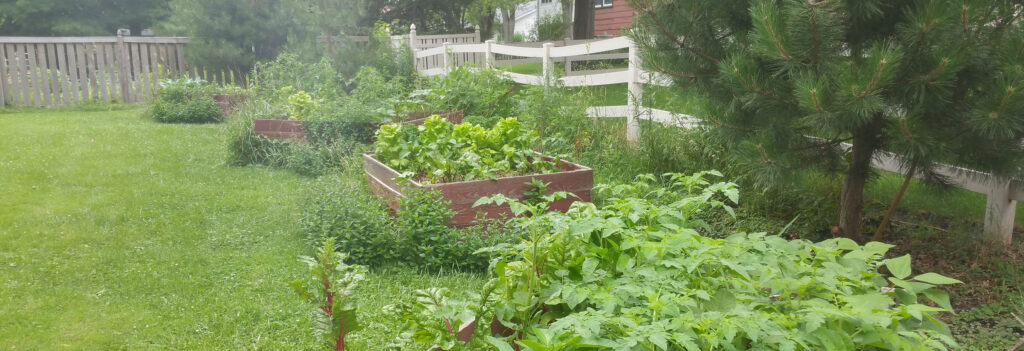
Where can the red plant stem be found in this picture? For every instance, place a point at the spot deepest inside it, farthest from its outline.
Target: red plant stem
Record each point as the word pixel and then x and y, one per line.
pixel 341 336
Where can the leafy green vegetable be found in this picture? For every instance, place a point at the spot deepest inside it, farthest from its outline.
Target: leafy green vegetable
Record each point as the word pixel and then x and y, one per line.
pixel 438 152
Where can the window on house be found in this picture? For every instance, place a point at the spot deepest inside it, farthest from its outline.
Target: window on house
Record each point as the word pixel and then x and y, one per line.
pixel 602 3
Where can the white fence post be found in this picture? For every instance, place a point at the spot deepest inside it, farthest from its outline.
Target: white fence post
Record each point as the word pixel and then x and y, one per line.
pixel 489 54
pixel 635 97
pixel 548 67
pixel 447 59
pixel 999 211
pixel 412 45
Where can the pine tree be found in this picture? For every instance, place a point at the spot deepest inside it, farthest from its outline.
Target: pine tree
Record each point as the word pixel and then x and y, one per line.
pixel 931 80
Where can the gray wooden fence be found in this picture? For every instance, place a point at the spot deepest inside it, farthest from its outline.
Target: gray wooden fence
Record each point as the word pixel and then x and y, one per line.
pixel 55 71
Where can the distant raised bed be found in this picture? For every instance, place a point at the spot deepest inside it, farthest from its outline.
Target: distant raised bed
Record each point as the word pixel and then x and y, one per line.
pixel 279 129
pixel 417 118
pixel 296 130
pixel 572 178
pixel 228 102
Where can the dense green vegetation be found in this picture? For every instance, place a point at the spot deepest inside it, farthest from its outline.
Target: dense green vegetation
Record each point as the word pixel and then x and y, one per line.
pixel 124 233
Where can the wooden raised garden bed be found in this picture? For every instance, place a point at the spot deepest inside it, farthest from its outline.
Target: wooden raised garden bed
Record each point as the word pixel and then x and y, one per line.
pixel 228 102
pixel 417 118
pixel 572 178
pixel 279 129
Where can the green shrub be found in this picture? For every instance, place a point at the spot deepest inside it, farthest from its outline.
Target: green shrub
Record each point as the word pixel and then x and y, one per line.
pixel 318 78
pixel 343 208
pixel 484 96
pixel 185 100
pixel 549 28
pixel 316 159
pixel 428 242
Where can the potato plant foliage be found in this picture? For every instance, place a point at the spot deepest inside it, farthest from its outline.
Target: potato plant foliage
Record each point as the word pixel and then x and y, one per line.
pixel 633 274
pixel 439 152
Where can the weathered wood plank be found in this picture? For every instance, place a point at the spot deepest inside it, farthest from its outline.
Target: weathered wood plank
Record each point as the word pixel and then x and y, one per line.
pixel 33 65
pixel 156 67
pixel 165 70
pixel 136 71
pixel 90 69
pixel 76 91
pixel 45 98
pixel 15 74
pixel 179 51
pixel 65 82
pixel 124 76
pixel 54 82
pixel 3 76
pixel 147 79
pixel 83 73
pixel 111 68
pixel 101 72
pixel 26 77
pixel 171 56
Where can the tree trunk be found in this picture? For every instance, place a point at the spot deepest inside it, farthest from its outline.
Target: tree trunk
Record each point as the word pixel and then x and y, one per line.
pixel 567 17
pixel 487 24
pixel 583 24
pixel 508 24
pixel 865 142
pixel 895 203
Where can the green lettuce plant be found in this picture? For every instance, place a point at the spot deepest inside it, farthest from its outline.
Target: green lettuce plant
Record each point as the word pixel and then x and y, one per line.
pixel 439 152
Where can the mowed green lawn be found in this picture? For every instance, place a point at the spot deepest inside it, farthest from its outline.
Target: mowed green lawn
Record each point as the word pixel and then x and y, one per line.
pixel 120 233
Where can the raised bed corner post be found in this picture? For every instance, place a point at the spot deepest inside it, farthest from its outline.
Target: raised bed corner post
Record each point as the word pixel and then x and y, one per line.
pixel 999 211
pixel 489 53
pixel 635 97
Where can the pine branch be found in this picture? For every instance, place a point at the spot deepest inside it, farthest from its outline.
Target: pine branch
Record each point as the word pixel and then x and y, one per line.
pixel 774 37
pixel 657 22
pixel 750 87
pixel 726 126
pixel 691 77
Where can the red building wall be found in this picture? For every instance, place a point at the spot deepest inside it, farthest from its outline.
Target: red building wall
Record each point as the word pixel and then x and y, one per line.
pixel 611 20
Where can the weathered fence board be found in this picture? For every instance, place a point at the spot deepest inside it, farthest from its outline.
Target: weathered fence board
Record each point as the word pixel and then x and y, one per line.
pixel 55 71
pixel 4 86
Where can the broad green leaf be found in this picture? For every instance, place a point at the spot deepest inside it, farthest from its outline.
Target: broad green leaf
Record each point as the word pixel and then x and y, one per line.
pixel 877 248
pixel 899 266
pixel 936 279
pixel 499 344
pixel 940 297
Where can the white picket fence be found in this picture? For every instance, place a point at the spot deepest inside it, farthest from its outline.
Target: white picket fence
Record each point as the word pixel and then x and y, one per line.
pixel 1003 193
